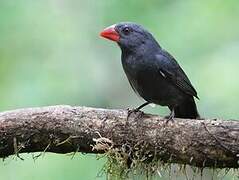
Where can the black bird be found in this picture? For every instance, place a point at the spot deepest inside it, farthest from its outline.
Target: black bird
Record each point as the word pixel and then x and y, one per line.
pixel 152 72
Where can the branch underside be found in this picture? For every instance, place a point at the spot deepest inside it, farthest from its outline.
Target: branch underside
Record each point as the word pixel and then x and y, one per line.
pixel 65 129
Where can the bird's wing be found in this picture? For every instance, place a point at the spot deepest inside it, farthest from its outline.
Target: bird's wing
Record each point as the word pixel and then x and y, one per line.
pixel 171 71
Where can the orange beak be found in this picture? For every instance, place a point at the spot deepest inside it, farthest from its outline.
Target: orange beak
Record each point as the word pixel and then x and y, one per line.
pixel 110 33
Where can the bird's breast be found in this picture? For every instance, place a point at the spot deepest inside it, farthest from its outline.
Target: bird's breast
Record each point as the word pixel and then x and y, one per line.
pixel 147 82
pixel 143 78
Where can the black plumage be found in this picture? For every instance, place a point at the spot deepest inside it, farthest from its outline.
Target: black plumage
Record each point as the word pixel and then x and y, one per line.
pixel 153 73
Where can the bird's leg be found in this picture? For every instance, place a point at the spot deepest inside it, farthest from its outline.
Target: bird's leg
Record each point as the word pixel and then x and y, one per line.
pixel 171 116
pixel 136 109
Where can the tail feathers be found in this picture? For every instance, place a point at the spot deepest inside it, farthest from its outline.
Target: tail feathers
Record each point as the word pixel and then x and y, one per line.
pixel 187 109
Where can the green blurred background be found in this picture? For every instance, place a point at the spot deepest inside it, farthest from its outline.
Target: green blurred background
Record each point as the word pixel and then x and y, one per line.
pixel 51 53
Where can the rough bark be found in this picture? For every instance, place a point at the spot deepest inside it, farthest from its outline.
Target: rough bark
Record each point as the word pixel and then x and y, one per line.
pixel 65 129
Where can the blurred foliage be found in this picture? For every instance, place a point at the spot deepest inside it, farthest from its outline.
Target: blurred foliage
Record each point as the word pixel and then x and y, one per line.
pixel 50 53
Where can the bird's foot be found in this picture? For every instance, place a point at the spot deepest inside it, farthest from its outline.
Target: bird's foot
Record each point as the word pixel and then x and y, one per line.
pixel 139 114
pixel 170 117
pixel 130 111
pixel 136 111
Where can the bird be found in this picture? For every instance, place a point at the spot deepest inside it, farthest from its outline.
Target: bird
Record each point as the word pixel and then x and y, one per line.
pixel 153 73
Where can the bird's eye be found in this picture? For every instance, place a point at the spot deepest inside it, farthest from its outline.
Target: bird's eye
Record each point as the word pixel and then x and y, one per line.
pixel 126 30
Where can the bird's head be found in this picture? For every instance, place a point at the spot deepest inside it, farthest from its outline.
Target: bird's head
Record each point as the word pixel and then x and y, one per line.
pixel 128 35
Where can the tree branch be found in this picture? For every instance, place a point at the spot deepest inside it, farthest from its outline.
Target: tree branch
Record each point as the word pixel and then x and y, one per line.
pixel 65 129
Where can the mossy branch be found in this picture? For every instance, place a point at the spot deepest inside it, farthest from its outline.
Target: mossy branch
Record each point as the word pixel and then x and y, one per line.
pixel 65 129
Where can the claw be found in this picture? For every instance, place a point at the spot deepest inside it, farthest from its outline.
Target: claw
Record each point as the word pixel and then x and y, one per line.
pixel 130 111
pixel 137 110
pixel 170 117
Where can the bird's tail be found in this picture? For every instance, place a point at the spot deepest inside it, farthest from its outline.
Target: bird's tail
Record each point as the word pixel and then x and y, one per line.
pixel 187 109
